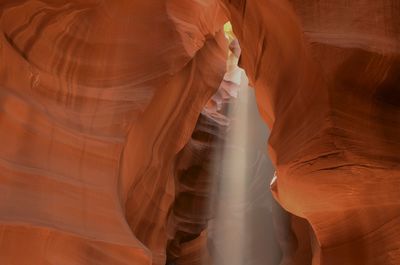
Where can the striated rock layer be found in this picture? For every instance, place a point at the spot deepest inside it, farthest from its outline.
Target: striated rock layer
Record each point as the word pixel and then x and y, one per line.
pixel 97 98
pixel 327 83
pixel 99 101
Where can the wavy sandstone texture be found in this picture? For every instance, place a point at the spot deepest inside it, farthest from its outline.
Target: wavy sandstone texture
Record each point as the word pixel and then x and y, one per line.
pixel 97 99
pixel 101 158
pixel 327 82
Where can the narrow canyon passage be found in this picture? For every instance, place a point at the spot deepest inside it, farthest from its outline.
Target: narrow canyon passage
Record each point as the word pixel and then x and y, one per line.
pixel 243 203
pixel 127 139
pixel 243 214
pixel 239 198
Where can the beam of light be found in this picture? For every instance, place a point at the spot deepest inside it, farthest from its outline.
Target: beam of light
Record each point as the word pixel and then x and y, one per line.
pixel 229 227
pixel 240 167
pixel 230 222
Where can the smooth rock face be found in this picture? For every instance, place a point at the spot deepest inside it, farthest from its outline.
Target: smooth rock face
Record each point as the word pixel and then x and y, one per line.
pixel 97 99
pixel 99 102
pixel 326 75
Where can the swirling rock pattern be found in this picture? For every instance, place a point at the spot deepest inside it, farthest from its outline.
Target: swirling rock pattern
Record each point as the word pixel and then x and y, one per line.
pixel 97 99
pixel 326 79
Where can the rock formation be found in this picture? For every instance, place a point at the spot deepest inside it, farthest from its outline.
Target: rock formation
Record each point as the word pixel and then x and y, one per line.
pixel 104 156
pixel 327 84
pixel 97 99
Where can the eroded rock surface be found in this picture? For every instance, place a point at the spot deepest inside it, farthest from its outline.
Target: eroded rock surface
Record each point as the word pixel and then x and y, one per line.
pixel 326 79
pixel 99 102
pixel 97 99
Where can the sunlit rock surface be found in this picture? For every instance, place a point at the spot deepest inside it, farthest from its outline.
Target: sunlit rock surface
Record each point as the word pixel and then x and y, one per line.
pixel 97 98
pixel 327 84
pixel 105 158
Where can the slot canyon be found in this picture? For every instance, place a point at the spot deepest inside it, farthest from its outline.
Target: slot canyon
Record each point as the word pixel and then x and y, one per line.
pixel 199 132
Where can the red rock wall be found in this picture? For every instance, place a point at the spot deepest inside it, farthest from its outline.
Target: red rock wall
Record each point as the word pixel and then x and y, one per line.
pixel 97 98
pixel 327 82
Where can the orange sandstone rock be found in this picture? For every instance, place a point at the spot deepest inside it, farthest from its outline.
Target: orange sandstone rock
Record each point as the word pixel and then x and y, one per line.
pixel 97 98
pixel 326 79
